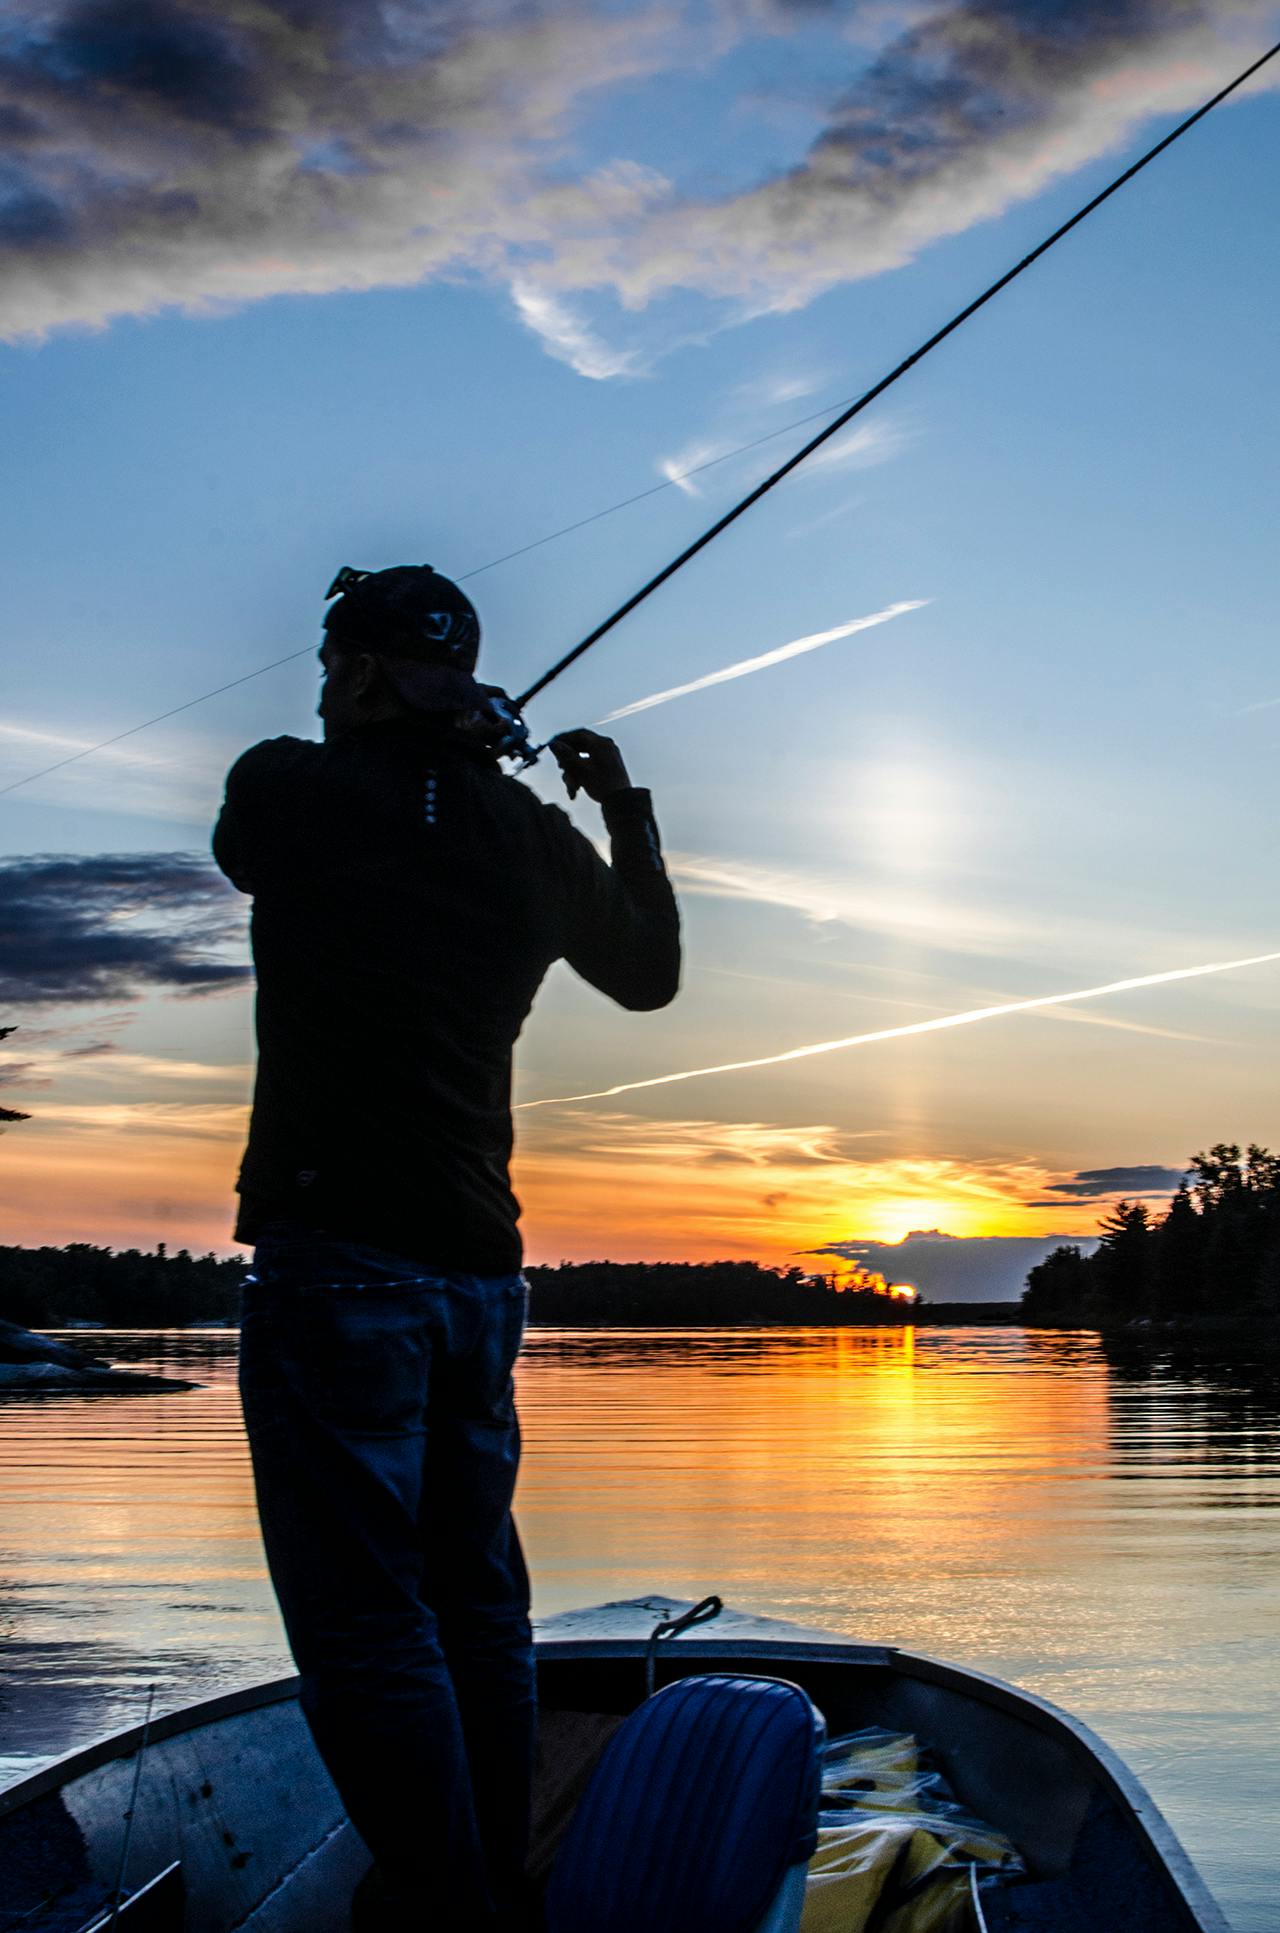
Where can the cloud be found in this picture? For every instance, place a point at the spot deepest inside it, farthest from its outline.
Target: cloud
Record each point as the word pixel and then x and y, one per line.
pixel 566 337
pixel 867 908
pixel 213 1121
pixel 797 648
pixel 70 936
pixel 968 111
pixel 703 1187
pixel 140 1071
pixel 206 152
pixel 1092 1184
pixel 944 1022
pixel 23 1073
pixel 1130 1027
pixel 951 1268
pixel 854 449
pixel 209 152
pixel 181 783
pixel 682 468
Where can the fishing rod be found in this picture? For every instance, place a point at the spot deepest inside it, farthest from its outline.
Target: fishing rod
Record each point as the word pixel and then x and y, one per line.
pixel 878 389
pixel 510 732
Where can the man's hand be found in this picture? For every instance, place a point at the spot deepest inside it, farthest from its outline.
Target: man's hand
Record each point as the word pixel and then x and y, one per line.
pixel 589 763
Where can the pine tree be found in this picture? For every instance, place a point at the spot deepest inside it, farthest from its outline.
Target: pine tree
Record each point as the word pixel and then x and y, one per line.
pixel 1177 1285
pixel 1123 1264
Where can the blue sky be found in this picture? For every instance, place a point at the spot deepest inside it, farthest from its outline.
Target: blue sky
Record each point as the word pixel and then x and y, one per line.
pixel 1049 776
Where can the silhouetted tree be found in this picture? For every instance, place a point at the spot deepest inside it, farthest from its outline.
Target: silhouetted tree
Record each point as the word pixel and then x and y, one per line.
pixel 44 1287
pixel 1122 1264
pixel 1215 1253
pixel 1057 1289
pixel 1178 1262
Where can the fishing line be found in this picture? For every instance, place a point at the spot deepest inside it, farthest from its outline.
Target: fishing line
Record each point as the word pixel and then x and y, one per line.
pixel 846 416
pixel 551 536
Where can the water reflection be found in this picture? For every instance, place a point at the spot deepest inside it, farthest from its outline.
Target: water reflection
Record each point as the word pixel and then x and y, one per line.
pixel 1096 1521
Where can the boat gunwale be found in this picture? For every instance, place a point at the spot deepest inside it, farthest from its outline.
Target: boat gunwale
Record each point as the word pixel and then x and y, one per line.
pixel 1041 1713
pixel 121 1745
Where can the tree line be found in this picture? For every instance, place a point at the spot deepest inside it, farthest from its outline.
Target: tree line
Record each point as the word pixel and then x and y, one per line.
pixel 1214 1253
pixel 44 1288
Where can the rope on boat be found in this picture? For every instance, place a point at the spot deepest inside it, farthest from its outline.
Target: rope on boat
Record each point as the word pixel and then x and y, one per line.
pixel 701 1613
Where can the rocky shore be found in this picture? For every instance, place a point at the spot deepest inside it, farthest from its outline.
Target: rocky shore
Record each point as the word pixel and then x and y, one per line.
pixel 31 1362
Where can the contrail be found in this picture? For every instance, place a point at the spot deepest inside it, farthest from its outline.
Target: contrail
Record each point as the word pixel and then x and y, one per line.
pixel 915 1027
pixel 795 649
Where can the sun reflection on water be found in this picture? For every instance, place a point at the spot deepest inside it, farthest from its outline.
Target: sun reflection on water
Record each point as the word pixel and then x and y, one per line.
pixel 1097 1523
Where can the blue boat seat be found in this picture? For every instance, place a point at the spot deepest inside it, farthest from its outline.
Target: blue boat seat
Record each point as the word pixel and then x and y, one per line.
pixel 701 1816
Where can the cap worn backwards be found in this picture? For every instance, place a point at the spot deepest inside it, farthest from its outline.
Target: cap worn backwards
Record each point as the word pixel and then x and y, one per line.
pixel 410 611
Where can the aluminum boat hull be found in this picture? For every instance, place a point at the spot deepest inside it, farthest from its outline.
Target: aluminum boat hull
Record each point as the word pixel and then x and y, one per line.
pixel 232 1787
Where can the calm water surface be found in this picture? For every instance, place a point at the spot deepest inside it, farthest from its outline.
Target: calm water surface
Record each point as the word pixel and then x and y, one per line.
pixel 1098 1526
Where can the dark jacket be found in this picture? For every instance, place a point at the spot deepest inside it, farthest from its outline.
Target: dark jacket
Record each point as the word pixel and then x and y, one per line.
pixel 409 897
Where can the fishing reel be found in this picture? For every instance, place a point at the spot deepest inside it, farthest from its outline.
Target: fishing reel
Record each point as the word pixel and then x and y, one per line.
pixel 499 726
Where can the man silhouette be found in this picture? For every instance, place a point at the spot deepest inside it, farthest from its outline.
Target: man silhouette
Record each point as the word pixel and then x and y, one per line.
pixel 408 898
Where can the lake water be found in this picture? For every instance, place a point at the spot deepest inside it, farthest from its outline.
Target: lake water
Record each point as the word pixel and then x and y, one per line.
pixel 1098 1526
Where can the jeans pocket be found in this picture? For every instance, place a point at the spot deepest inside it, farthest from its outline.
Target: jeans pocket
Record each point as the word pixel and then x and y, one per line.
pixel 361 1361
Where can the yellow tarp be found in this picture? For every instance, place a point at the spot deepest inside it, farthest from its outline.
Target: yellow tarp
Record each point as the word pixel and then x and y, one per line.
pixel 891 1828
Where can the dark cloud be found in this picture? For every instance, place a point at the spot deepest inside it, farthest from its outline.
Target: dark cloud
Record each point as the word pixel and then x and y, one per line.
pixel 17 126
pixel 973 74
pixel 113 926
pixel 215 151
pixel 97 1047
pixel 128 51
pixel 969 110
pixel 956 1268
pixel 29 216
pixel 1090 1184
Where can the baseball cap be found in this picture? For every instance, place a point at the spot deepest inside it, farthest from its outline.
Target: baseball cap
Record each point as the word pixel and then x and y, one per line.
pixel 410 611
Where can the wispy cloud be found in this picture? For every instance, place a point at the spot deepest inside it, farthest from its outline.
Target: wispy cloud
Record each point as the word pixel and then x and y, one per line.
pixel 826 990
pixel 179 785
pixel 567 337
pixel 943 1023
pixel 860 448
pixel 31 738
pixel 1130 1027
pixel 690 1186
pixel 867 907
pixel 686 465
pixel 745 666
pixel 211 1120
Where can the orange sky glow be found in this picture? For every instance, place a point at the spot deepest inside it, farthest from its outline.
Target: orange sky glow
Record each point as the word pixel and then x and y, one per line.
pixel 612 1185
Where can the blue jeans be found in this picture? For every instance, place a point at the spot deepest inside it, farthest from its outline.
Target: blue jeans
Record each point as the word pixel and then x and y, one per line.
pixel 379 1408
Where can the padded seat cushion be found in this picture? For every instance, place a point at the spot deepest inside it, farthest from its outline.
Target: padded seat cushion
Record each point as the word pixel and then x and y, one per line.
pixel 699 1804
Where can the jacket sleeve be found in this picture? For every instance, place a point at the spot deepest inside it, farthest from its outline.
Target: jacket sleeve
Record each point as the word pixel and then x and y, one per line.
pixel 622 929
pixel 243 822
